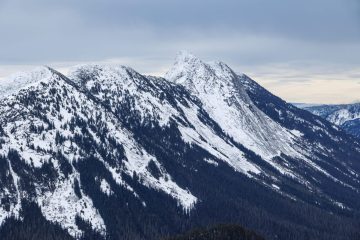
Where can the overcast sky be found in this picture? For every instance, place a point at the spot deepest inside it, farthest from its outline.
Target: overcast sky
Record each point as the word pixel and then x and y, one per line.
pixel 303 51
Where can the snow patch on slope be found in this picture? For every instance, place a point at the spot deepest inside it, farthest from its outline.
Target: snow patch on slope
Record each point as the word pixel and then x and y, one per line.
pixel 138 160
pixel 105 187
pixel 15 208
pixel 214 144
pixel 63 205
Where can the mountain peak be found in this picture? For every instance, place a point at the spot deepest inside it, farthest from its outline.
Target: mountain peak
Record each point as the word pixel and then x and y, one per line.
pixel 184 62
pixel 104 73
pixel 184 56
pixel 21 80
pixel 225 98
pixel 189 70
pixel 193 73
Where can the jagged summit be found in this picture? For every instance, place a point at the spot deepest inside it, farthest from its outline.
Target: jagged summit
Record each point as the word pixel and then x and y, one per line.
pixel 187 65
pixel 185 56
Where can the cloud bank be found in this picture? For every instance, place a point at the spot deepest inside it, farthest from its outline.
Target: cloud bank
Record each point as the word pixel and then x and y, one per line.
pixel 283 44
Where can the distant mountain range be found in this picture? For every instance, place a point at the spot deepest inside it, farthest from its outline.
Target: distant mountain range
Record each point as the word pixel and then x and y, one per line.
pixel 106 152
pixel 346 116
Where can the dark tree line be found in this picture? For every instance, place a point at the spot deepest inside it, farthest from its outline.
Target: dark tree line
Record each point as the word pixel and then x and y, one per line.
pixel 219 232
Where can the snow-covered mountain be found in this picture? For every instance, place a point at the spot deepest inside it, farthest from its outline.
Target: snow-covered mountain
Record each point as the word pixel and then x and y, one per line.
pixel 226 101
pixel 139 157
pixel 347 116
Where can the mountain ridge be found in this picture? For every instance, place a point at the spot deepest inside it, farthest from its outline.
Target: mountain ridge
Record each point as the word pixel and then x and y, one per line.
pixel 346 116
pixel 114 148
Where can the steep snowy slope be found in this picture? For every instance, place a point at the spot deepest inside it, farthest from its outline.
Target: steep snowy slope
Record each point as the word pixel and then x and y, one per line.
pixel 54 123
pixel 230 106
pixel 346 116
pixel 156 100
pixel 44 126
pixel 136 157
pixel 227 98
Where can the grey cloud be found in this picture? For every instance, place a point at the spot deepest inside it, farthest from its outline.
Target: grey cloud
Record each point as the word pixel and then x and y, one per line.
pixel 247 34
pixel 258 30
